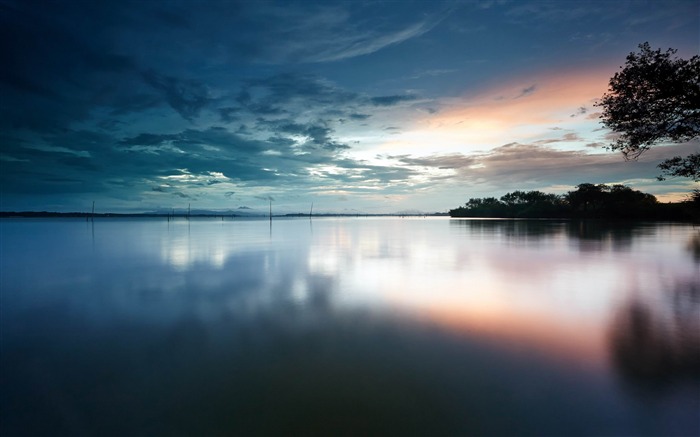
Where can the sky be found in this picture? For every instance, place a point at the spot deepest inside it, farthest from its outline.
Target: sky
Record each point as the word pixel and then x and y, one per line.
pixel 352 106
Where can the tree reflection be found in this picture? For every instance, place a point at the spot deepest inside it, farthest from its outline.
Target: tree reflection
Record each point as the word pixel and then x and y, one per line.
pixel 591 234
pixel 652 349
pixel 527 229
pixel 694 246
pixel 594 234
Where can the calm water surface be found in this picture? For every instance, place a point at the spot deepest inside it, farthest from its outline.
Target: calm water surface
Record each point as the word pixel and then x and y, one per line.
pixel 352 326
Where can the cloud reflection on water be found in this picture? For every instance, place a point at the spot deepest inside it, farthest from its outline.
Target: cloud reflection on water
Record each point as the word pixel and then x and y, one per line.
pixel 481 277
pixel 557 301
pixel 377 326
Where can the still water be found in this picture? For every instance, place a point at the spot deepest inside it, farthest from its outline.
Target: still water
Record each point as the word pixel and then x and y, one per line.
pixel 349 326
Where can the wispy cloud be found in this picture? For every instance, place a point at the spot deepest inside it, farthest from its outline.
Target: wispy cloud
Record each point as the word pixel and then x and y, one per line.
pixel 541 12
pixel 527 91
pixel 437 72
pixel 517 166
pixel 582 110
pixel 308 33
pixel 148 102
pixel 525 112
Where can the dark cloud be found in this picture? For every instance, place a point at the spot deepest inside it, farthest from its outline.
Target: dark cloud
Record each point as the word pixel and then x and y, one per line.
pixel 321 135
pixel 288 95
pixel 187 97
pixel 129 102
pixel 284 88
pixel 62 63
pixel 228 114
pixel 110 124
pixel 596 145
pixel 117 65
pixel 566 138
pixel 150 100
pixel 391 100
pixel 261 108
pixel 276 103
pixel 148 139
pixel 359 117
pixel 94 159
pixel 316 135
pixel 376 173
pixel 451 161
pixel 516 165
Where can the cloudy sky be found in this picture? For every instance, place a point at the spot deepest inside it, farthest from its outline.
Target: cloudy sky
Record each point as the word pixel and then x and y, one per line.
pixel 373 107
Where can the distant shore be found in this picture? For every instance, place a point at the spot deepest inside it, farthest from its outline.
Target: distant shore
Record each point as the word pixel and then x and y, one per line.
pixel 50 214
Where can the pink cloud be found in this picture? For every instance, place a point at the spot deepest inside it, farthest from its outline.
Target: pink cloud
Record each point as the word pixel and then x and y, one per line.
pixel 522 110
pixel 545 97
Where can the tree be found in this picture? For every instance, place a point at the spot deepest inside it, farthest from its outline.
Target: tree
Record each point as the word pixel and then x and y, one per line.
pixel 610 201
pixel 688 167
pixel 655 97
pixel 587 197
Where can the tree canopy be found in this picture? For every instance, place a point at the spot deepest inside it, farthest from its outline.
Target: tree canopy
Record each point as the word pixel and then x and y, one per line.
pixel 654 98
pixel 688 167
pixel 588 200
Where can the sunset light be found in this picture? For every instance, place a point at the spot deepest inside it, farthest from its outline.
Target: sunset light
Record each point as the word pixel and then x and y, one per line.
pixel 350 218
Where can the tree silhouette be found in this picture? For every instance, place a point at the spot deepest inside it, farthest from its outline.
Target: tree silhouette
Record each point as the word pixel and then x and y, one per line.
pixel 655 97
pixel 587 197
pixel 586 201
pixel 611 201
pixel 687 167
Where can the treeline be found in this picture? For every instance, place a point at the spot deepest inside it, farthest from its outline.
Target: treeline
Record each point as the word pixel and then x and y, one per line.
pixel 587 201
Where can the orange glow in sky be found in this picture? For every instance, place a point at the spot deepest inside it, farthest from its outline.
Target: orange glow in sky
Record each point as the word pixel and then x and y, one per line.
pixel 525 110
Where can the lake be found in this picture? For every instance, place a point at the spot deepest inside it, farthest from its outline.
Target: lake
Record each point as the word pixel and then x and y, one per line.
pixel 349 326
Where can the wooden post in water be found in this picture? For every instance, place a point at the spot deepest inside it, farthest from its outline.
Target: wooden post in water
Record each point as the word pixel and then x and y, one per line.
pixel 311 211
pixel 188 211
pixel 270 209
pixel 92 217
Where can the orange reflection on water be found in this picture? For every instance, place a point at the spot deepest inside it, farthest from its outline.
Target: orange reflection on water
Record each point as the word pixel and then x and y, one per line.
pixel 485 306
pixel 531 332
pixel 554 303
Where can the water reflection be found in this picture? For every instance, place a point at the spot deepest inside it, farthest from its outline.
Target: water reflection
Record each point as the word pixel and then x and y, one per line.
pixel 694 246
pixel 377 326
pixel 604 230
pixel 589 235
pixel 520 229
pixel 655 346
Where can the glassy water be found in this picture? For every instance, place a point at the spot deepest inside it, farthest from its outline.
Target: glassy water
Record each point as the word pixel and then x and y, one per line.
pixel 349 326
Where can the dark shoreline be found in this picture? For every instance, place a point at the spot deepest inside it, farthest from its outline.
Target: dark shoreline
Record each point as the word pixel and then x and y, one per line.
pixel 49 214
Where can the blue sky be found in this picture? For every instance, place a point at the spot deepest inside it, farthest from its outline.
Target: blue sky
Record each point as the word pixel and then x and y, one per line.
pixel 373 107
